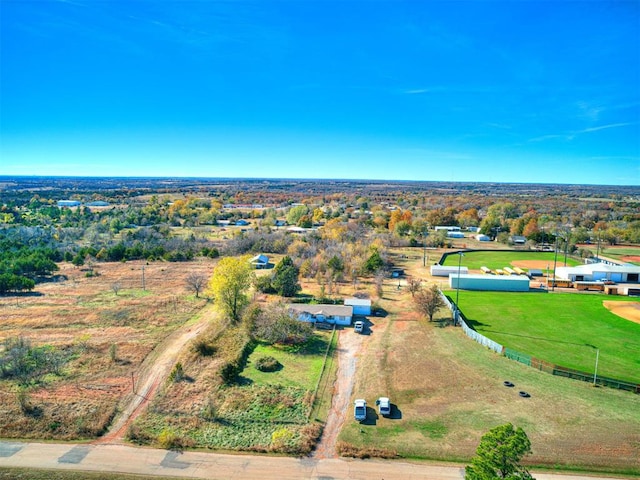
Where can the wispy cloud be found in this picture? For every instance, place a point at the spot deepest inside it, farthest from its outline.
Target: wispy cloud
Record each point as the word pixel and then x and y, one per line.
pixel 417 91
pixel 571 135
pixel 604 127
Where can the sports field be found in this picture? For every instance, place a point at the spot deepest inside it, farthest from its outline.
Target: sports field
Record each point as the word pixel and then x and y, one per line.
pixel 561 328
pixel 515 258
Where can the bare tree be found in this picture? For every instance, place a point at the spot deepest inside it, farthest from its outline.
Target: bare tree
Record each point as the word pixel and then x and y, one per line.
pixel 196 282
pixel 428 301
pixel 414 285
pixel 116 286
pixel 378 279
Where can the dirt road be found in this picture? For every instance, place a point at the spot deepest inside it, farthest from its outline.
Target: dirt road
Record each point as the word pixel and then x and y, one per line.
pixel 148 461
pixel 154 370
pixel 349 344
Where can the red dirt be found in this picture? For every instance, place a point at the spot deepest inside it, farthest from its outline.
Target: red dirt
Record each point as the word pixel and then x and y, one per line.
pixel 627 310
pixel 349 344
pixel 631 258
pixel 540 264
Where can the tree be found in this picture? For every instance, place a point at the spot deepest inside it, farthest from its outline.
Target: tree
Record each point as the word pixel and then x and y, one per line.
pixel 499 454
pixel 374 262
pixel 414 285
pixel 285 280
pixel 229 284
pixel 294 215
pixel 196 283
pixel 116 287
pixel 428 301
pixel 275 324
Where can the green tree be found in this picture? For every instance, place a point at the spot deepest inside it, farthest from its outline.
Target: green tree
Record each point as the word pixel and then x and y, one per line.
pixel 374 262
pixel 297 212
pixel 276 324
pixel 499 454
pixel 229 284
pixel 285 280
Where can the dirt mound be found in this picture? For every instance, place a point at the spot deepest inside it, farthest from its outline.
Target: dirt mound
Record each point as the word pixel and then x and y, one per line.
pixel 626 310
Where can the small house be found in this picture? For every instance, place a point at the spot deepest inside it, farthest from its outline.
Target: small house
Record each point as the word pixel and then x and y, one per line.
pixel 260 261
pixel 335 314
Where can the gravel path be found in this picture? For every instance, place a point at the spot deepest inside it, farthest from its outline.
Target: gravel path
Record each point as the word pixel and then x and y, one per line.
pixel 349 344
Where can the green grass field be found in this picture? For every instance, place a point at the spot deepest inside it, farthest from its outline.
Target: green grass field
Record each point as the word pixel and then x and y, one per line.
pixel 300 367
pixel 498 259
pixel 617 253
pixel 558 328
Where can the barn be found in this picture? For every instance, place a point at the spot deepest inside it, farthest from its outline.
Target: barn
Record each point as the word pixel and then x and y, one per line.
pixel 338 314
pixel 595 272
pixel 495 283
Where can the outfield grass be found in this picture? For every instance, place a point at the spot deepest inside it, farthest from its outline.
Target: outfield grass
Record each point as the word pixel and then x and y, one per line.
pixel 501 259
pixel 558 328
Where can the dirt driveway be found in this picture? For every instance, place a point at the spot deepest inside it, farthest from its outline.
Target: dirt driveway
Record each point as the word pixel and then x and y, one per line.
pixel 154 370
pixel 349 344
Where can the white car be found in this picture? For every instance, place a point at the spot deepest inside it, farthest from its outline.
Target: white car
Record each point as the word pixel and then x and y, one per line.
pixel 360 410
pixel 358 326
pixel 384 406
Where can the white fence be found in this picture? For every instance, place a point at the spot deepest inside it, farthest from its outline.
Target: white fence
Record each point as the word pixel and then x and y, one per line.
pixel 470 332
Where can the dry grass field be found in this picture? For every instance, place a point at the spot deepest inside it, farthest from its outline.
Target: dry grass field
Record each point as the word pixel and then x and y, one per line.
pixel 103 336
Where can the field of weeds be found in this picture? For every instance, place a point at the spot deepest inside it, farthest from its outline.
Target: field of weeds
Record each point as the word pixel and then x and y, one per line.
pixel 252 411
pixel 80 339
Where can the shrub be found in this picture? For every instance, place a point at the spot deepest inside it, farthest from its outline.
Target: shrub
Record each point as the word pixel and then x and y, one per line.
pixel 177 374
pixel 348 450
pixel 268 364
pixel 204 348
pixel 137 435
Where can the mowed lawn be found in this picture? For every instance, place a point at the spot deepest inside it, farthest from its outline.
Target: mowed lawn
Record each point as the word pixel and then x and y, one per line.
pixel 561 328
pixel 301 366
pixel 498 259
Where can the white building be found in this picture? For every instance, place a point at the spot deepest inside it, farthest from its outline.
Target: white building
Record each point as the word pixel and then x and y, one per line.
pixel 337 314
pixel 442 271
pixel 495 283
pixel 448 228
pixel 594 272
pixel 361 306
pixel 481 237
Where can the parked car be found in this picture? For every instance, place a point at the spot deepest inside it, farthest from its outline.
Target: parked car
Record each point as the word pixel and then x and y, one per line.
pixel 358 326
pixel 384 406
pixel 360 410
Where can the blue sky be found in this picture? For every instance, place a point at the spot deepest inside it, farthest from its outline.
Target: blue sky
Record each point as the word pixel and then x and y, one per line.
pixel 499 91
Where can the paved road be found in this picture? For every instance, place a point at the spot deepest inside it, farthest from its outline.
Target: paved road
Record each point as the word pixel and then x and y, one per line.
pixel 149 461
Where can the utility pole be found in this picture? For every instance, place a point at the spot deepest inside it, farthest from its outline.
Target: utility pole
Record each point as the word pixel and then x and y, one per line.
pixel 555 261
pixel 143 284
pixel 455 319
